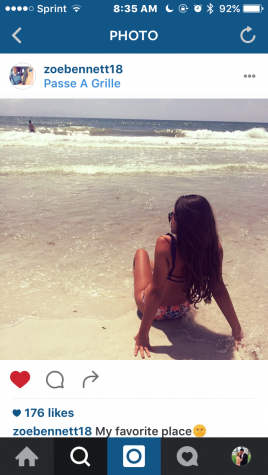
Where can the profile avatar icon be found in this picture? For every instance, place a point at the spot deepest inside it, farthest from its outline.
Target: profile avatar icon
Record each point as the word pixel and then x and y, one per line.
pixel 241 456
pixel 22 75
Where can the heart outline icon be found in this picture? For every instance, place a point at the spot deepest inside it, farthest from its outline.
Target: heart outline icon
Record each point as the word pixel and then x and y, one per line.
pixel 20 379
pixel 16 412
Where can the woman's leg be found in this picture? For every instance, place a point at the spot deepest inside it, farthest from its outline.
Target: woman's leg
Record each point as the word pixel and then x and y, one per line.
pixel 142 276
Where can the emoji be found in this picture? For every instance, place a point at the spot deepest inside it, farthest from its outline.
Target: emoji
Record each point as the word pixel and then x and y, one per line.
pixel 199 430
pixel 20 379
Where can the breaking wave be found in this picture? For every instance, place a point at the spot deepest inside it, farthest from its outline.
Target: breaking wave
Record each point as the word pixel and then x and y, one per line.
pixel 136 169
pixel 92 137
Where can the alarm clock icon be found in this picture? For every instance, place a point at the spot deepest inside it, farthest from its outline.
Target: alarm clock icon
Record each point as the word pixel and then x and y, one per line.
pixel 197 8
pixel 183 8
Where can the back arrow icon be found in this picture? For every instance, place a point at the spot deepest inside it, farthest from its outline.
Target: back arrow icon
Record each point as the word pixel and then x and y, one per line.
pixel 242 33
pixel 14 35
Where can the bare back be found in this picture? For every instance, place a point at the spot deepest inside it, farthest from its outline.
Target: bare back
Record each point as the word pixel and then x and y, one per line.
pixel 172 293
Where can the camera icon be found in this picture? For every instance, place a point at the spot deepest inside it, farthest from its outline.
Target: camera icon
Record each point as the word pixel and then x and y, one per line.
pixel 133 456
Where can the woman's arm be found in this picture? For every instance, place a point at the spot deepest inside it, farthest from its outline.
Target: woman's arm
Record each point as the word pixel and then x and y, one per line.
pixel 224 302
pixel 155 290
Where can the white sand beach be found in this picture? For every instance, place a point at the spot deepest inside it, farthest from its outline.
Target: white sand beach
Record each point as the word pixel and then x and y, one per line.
pixel 84 339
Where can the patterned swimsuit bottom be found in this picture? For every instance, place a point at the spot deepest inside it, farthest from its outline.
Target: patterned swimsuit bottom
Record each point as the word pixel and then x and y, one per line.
pixel 170 312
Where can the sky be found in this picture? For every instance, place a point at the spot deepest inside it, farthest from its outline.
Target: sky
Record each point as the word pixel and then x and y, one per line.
pixel 233 110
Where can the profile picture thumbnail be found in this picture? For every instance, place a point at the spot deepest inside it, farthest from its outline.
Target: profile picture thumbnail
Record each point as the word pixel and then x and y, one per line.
pixel 241 456
pixel 22 75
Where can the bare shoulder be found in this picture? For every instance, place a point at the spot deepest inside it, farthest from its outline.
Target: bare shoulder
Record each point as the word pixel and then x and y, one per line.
pixel 163 244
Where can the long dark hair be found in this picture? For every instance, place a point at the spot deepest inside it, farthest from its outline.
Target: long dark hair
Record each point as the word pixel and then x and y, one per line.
pixel 198 246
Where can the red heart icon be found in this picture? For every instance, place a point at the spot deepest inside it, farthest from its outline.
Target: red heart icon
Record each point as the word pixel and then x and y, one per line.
pixel 20 379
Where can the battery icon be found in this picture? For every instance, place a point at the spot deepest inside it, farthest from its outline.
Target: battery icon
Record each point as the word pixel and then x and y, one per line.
pixel 252 8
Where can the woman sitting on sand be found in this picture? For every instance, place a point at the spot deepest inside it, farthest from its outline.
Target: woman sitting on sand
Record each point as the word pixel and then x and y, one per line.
pixel 187 270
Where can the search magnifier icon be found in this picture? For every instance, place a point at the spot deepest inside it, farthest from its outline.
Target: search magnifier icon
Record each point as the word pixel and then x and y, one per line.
pixel 80 462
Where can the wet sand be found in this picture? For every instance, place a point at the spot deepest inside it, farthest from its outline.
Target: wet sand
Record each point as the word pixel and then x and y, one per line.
pixel 84 339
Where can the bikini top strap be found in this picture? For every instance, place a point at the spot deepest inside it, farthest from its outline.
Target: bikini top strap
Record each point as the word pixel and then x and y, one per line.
pixel 173 252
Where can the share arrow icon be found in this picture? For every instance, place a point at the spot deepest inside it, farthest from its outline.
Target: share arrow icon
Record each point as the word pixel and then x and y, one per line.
pixel 94 376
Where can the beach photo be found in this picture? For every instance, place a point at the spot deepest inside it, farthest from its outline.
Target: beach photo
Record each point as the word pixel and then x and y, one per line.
pixel 133 229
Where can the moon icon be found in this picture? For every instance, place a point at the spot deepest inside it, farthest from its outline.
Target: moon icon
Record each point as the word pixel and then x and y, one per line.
pixel 168 10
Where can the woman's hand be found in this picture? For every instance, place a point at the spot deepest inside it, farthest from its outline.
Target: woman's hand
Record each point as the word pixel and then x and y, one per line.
pixel 142 345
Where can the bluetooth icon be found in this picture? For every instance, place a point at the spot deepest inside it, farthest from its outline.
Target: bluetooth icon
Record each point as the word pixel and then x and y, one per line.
pixel 210 8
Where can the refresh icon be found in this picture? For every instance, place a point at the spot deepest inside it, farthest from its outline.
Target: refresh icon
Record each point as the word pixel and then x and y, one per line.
pixel 242 35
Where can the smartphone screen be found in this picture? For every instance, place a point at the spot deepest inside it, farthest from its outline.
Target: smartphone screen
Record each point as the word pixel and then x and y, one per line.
pixel 133 175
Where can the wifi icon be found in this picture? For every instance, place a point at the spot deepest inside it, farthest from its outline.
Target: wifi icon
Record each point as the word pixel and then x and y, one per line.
pixel 76 8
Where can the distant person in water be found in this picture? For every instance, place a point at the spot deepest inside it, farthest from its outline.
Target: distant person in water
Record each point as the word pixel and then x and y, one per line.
pixel 187 269
pixel 31 127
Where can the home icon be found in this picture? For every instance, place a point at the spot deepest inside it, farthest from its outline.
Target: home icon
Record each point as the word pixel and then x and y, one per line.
pixel 26 454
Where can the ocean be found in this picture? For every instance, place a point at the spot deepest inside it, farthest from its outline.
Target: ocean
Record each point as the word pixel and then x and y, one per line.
pixel 79 196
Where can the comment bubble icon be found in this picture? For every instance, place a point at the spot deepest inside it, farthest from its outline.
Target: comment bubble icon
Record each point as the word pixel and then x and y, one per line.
pixel 187 456
pixel 55 380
